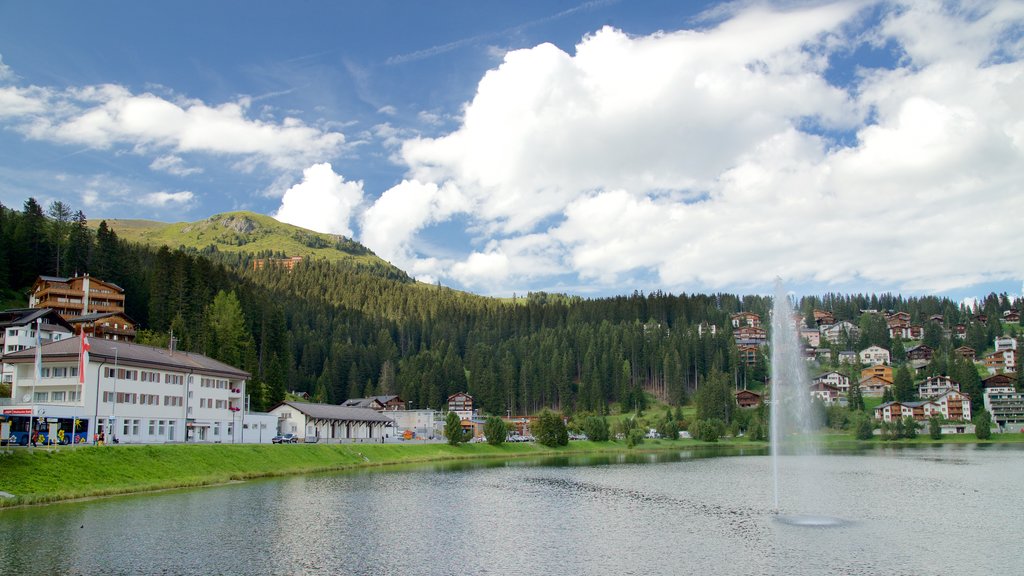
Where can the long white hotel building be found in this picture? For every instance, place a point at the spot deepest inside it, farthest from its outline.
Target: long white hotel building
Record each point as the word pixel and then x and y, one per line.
pixel 132 392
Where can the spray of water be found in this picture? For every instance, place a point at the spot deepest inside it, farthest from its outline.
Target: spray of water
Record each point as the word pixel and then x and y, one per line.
pixel 792 419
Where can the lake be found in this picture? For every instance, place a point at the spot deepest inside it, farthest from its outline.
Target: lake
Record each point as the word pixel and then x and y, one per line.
pixel 948 509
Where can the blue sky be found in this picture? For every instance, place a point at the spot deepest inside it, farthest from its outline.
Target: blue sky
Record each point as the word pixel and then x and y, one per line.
pixel 593 148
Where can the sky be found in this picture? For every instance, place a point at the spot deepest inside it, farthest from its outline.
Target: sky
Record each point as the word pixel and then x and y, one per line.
pixel 593 148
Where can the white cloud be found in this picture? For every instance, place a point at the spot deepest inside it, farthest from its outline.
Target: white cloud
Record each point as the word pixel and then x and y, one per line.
pixel 105 116
pixel 710 158
pixel 388 110
pixel 389 226
pixel 164 199
pixel 5 71
pixel 173 165
pixel 323 201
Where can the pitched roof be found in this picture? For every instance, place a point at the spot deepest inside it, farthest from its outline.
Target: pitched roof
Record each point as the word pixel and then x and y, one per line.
pixel 335 412
pixel 129 354
pixel 26 316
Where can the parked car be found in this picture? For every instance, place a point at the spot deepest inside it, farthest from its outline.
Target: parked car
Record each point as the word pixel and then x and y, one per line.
pixel 285 439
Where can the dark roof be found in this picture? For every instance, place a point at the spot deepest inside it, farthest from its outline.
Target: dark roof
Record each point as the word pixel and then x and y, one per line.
pixel 361 402
pixel 26 316
pixel 130 354
pixel 93 317
pixel 335 412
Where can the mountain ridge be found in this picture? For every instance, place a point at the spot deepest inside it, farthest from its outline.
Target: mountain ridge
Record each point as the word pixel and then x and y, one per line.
pixel 252 233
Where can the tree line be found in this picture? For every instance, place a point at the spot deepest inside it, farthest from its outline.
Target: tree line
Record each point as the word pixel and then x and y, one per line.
pixel 337 330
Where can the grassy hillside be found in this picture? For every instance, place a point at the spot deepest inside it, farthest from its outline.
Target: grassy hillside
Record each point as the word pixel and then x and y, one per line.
pixel 246 232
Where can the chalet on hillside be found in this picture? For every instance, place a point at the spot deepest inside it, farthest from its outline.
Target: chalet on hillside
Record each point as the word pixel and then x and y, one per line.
pixel 745 319
pixel 748 398
pixel 966 352
pixel 920 352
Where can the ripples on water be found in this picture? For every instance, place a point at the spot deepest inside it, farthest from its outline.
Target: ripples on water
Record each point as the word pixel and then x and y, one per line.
pixel 641 514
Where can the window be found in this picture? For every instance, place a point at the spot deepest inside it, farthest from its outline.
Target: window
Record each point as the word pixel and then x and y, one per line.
pixel 127 426
pixel 160 427
pixel 57 396
pixel 74 396
pixel 216 428
pixel 135 427
pixel 42 396
pixel 170 429
pixel 108 396
pixel 152 427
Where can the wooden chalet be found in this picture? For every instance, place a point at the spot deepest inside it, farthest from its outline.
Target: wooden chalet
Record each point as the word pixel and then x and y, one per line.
pixel 967 353
pixel 748 398
pixel 920 352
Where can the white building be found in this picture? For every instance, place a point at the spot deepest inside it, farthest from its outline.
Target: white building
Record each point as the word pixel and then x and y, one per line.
pixel 331 422
pixel 421 422
pixel 875 356
pixel 129 392
pixel 1005 343
pixel 936 386
pixel 18 328
pixel 836 380
pixel 1005 404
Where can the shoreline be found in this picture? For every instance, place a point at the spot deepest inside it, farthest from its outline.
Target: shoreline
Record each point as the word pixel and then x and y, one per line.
pixel 72 474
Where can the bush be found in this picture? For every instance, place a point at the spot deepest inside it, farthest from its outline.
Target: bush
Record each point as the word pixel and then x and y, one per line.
pixel 935 428
pixel 757 431
pixel 634 437
pixel 596 428
pixel 669 429
pixel 983 425
pixel 709 430
pixel 453 429
pixel 909 427
pixel 495 430
pixel 864 429
pixel 550 430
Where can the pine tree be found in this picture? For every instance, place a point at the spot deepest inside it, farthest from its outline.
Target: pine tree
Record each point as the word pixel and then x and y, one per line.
pixel 903 385
pixel 453 429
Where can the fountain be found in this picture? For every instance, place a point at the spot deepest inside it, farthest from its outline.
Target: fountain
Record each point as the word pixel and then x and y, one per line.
pixel 793 423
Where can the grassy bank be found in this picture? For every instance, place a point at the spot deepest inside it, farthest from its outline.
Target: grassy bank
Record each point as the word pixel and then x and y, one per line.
pixel 46 475
pixel 52 474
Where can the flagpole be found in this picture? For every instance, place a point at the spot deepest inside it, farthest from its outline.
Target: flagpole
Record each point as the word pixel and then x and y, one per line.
pixel 35 380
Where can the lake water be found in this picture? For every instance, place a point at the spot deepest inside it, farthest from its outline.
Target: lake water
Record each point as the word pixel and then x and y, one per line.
pixel 951 509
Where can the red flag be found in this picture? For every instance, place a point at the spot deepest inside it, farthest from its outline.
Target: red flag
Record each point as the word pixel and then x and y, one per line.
pixel 83 358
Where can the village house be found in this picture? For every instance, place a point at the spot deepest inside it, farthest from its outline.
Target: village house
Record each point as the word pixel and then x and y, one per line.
pixel 835 333
pixel 388 402
pixel 748 354
pixel 748 398
pixel 951 405
pixel 462 404
pixel 1004 402
pixel 89 304
pixel 750 335
pixel 874 385
pixel 920 352
pixel 823 318
pixel 1011 315
pixel 825 392
pixel 835 379
pixel 880 371
pixel 960 331
pixel 745 319
pixel 847 357
pixel 1005 343
pixel 875 356
pixel 966 352
pixel 21 327
pixel 1002 361
pixel 936 386
pixel 811 336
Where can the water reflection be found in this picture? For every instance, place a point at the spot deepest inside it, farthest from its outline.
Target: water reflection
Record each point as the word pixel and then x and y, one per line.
pixel 641 513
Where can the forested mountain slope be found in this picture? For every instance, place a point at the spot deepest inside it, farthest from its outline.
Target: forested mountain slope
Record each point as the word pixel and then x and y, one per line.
pixel 353 326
